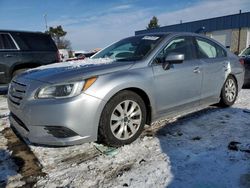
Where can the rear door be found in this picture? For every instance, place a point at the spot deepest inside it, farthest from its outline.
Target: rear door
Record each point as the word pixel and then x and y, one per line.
pixel 214 64
pixel 9 55
pixel 179 87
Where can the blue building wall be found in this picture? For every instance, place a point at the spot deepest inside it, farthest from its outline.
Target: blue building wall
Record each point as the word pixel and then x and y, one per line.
pixel 212 24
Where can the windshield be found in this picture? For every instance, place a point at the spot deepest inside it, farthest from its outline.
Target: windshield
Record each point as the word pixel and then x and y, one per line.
pixel 133 48
pixel 246 52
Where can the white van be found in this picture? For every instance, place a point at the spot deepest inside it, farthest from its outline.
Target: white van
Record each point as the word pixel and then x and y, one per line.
pixel 64 54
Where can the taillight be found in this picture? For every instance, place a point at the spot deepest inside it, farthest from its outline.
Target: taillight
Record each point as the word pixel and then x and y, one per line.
pixel 241 61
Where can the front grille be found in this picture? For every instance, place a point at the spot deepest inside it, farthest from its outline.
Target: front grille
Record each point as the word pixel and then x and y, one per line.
pixel 16 92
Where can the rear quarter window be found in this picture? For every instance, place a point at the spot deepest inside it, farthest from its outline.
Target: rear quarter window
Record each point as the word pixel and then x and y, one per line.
pixel 35 41
pixel 209 49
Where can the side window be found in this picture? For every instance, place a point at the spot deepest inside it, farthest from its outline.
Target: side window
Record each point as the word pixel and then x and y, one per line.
pixel 220 51
pixel 1 42
pixel 180 45
pixel 6 43
pixel 207 49
pixel 40 42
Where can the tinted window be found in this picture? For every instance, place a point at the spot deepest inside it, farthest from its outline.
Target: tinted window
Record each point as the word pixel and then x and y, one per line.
pixel 180 45
pixel 39 42
pixel 6 42
pixel 207 49
pixel 246 52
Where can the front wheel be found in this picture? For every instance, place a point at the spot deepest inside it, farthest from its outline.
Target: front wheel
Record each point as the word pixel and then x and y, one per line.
pixel 229 92
pixel 122 119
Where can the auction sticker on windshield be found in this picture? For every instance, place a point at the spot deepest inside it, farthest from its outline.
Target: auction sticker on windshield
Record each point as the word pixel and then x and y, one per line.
pixel 150 38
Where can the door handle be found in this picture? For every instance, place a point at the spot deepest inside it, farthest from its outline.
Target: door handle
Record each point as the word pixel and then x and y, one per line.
pixel 197 70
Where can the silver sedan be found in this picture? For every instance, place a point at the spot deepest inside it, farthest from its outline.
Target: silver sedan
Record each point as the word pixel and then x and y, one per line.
pixel 111 96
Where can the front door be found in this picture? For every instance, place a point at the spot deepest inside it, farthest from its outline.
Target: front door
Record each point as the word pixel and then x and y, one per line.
pixel 179 87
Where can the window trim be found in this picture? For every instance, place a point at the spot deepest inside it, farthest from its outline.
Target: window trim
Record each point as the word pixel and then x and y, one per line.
pixel 17 47
pixel 214 44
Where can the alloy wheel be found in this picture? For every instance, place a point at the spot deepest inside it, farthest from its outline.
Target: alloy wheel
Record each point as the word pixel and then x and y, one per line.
pixel 125 119
pixel 230 90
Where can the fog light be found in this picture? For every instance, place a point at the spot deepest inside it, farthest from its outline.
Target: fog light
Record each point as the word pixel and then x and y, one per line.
pixel 60 132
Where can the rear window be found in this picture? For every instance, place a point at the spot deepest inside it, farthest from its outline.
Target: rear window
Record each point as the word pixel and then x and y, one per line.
pixel 6 42
pixel 35 41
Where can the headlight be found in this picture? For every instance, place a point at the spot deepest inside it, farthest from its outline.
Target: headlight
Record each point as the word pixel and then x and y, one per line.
pixel 65 90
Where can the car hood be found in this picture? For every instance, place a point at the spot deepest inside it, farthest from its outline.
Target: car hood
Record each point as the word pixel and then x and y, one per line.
pixel 75 70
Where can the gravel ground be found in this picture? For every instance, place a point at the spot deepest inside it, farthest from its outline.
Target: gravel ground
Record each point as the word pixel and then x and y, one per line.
pixel 209 148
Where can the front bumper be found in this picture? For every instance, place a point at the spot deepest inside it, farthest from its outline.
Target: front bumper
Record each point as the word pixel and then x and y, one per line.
pixel 80 115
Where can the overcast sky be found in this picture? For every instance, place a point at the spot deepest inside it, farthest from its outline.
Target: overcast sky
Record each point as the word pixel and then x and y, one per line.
pixel 97 23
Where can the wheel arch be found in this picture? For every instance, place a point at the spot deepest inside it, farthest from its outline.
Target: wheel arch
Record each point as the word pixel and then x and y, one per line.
pixel 224 102
pixel 234 77
pixel 102 136
pixel 23 66
pixel 139 91
pixel 146 100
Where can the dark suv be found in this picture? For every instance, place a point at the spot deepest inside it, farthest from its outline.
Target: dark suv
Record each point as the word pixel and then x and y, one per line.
pixel 21 50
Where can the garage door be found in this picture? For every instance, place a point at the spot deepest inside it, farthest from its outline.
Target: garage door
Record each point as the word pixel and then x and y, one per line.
pixel 224 37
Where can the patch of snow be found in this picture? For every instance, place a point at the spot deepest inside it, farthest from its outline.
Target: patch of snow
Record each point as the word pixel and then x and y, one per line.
pixel 138 165
pixel 4 112
pixel 189 151
pixel 76 64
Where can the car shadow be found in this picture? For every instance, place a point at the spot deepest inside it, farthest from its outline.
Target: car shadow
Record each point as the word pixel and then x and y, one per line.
pixel 18 158
pixel 246 86
pixel 209 148
pixel 8 167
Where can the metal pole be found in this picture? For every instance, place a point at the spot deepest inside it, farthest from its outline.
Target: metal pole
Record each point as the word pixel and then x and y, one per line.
pixel 45 19
pixel 238 48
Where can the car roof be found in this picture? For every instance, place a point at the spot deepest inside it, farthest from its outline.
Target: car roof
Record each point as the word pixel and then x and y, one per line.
pixel 20 31
pixel 165 34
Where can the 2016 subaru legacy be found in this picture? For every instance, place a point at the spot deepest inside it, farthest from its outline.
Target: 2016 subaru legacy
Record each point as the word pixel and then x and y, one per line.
pixel 133 82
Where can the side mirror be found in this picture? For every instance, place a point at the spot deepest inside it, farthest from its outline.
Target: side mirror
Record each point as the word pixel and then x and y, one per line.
pixel 175 58
pixel 172 59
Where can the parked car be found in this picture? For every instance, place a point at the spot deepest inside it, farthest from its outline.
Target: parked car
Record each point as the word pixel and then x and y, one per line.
pixel 64 54
pixel 110 100
pixel 80 55
pixel 20 51
pixel 245 56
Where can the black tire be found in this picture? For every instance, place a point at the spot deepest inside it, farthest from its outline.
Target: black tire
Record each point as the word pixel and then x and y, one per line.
pixel 105 134
pixel 19 71
pixel 224 101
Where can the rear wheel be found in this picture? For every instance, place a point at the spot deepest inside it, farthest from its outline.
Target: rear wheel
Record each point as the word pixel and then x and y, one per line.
pixel 229 92
pixel 122 119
